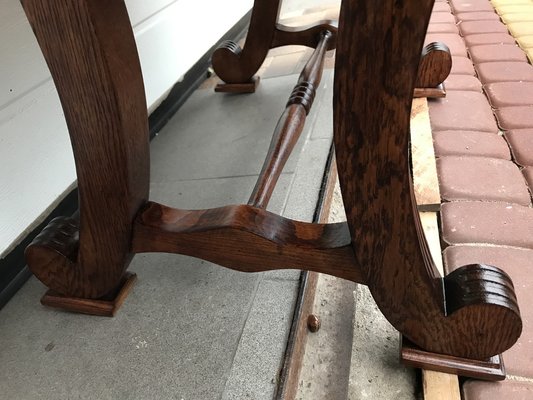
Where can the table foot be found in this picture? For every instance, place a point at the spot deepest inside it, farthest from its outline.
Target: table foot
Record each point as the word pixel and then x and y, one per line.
pixel 106 306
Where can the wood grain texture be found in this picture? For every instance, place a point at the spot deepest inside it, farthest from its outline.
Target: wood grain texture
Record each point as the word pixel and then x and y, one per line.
pixel 435 65
pixel 378 53
pixel 90 50
pixel 424 167
pixel 103 307
pixel 247 239
pixel 440 386
pixel 290 124
pixel 433 93
pixel 234 64
pixel 491 369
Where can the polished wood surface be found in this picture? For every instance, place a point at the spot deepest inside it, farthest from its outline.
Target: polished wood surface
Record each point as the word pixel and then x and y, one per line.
pixel 246 87
pixel 236 65
pixel 378 53
pixel 106 306
pixel 491 369
pixel 90 49
pixel 435 65
pixel 246 238
pixel 290 124
pixel 91 53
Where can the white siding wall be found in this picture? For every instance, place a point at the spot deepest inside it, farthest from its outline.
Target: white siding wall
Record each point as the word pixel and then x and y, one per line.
pixel 36 163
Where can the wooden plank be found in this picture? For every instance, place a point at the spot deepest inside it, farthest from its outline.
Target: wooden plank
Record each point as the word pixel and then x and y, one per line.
pixel 437 385
pixel 426 184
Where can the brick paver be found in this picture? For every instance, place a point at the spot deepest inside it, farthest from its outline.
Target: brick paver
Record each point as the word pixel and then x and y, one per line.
pixel 505 71
pixel 484 146
pixel 459 179
pixel 470 143
pixel 517 263
pixel 521 144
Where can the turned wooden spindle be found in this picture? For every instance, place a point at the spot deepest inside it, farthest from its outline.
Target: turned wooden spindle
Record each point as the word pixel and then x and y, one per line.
pixel 291 124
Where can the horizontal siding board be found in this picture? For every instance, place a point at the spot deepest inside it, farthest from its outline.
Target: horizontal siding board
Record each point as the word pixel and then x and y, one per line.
pixel 37 163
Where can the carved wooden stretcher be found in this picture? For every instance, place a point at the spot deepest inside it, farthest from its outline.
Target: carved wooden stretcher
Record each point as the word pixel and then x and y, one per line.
pixel 89 46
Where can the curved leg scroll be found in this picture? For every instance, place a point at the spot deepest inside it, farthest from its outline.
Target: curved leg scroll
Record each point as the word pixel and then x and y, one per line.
pixel 471 313
pixel 236 66
pixel 90 50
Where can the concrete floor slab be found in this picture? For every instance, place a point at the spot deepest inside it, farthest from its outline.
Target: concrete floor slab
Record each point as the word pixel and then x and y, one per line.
pixel 226 144
pixel 190 329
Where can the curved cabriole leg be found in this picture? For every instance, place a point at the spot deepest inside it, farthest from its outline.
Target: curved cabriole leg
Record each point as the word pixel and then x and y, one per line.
pixel 90 50
pixel 471 313
pixel 236 66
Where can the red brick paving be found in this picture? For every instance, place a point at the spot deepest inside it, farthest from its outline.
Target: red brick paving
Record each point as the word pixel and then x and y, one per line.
pixel 517 263
pixel 459 179
pixel 505 94
pixel 528 174
pixel 462 66
pixel 461 110
pixel 496 52
pixel 484 26
pixel 477 16
pixel 507 390
pixel 463 82
pixel 484 146
pixel 505 71
pixel 474 222
pixel 488 38
pixel 470 143
pixel 521 144
pixel 519 117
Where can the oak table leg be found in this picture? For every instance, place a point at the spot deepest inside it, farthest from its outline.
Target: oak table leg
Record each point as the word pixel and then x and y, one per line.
pixel 92 56
pixel 469 313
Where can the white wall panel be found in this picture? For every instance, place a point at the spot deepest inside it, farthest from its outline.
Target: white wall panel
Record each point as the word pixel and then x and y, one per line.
pixel 22 66
pixel 36 163
pixel 171 41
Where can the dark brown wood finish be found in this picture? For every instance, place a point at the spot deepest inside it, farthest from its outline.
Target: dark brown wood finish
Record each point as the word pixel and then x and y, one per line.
pixel 435 65
pixel 247 87
pixel 290 124
pixel 434 93
pixel 246 238
pixel 235 65
pixel 378 52
pixel 106 306
pixel 90 50
pixel 491 369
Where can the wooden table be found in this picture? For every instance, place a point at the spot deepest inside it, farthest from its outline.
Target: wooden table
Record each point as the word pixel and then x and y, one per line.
pixel 90 49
